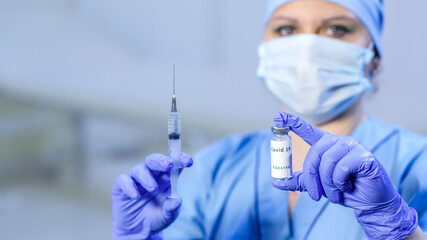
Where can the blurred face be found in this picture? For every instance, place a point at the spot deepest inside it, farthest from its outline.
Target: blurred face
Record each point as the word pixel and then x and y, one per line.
pixel 317 17
pixel 323 18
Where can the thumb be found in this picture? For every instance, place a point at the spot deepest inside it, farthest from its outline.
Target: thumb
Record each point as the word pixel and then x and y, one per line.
pixel 295 183
pixel 310 134
pixel 170 208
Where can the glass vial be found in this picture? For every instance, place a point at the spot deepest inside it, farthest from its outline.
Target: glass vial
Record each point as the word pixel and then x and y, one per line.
pixel 281 153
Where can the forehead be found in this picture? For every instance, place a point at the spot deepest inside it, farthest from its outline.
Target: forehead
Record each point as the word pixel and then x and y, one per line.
pixel 311 9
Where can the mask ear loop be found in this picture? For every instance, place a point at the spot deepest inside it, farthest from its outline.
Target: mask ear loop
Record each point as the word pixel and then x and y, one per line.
pixel 372 47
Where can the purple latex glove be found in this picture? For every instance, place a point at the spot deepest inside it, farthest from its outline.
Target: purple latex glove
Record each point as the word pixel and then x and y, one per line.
pixel 343 170
pixel 140 203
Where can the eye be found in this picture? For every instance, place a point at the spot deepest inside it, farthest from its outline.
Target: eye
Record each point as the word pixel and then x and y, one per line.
pixel 284 30
pixel 338 30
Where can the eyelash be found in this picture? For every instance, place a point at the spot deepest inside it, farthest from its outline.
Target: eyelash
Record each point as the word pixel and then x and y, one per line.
pixel 335 30
pixel 339 30
pixel 288 29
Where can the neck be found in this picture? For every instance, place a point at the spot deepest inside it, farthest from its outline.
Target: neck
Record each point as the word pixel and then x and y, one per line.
pixel 347 122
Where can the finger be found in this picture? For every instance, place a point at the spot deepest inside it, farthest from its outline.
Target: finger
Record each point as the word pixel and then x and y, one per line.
pixel 158 162
pixel 308 133
pixel 185 159
pixel 143 176
pixel 349 165
pixel 311 165
pixel 295 183
pixel 125 184
pixel 328 163
pixel 170 208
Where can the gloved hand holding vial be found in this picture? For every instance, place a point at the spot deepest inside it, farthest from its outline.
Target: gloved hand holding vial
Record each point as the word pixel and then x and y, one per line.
pixel 346 173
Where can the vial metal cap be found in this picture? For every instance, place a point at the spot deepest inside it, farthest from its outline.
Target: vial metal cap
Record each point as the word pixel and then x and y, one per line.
pixel 280 130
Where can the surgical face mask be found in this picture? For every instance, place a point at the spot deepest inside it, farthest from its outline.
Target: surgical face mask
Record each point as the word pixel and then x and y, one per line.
pixel 315 77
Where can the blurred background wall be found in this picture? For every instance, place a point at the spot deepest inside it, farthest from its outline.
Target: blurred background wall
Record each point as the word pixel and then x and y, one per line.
pixel 85 90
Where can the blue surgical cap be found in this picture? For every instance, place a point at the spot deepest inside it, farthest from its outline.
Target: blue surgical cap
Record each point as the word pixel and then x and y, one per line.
pixel 370 12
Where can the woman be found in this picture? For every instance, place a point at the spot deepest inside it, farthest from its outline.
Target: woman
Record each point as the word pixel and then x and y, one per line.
pixel 363 177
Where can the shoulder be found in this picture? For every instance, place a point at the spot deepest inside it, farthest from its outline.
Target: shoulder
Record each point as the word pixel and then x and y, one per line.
pixel 376 134
pixel 404 155
pixel 411 144
pixel 398 149
pixel 408 145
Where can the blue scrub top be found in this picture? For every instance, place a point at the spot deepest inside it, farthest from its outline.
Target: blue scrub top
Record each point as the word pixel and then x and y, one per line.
pixel 227 193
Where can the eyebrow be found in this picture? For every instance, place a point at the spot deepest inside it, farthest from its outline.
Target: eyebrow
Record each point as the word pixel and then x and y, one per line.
pixel 285 18
pixel 326 21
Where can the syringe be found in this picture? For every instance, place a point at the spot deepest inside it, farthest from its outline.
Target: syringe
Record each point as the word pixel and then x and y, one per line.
pixel 174 134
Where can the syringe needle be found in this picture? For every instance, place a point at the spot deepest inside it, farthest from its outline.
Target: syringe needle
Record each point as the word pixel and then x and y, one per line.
pixel 174 79
pixel 173 109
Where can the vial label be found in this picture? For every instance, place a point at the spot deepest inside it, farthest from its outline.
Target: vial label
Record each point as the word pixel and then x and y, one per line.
pixel 281 159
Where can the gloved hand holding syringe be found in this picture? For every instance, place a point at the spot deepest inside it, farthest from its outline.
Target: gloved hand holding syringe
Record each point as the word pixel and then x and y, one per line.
pixel 145 201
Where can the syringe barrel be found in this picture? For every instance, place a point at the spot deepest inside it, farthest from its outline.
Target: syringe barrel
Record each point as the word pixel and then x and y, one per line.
pixel 174 125
pixel 175 151
pixel 174 142
pixel 174 135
